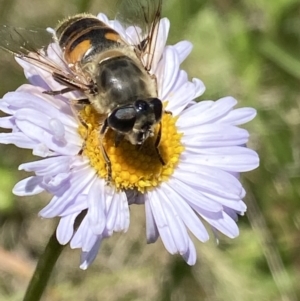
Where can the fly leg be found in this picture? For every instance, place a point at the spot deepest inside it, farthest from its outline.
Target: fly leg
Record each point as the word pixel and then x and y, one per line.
pixel 103 151
pixel 73 104
pixel 157 142
pixel 67 82
pixel 59 92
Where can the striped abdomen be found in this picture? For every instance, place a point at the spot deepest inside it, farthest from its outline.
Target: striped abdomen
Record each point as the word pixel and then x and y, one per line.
pixel 82 36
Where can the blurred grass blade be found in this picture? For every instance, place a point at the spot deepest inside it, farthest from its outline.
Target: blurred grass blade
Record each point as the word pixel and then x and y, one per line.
pixel 276 266
pixel 83 5
pixel 280 57
pixel 6 8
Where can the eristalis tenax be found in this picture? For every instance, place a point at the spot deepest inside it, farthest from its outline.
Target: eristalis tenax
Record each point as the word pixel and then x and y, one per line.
pixel 112 74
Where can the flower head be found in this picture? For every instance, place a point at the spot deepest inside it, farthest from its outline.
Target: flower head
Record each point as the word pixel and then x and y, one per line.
pixel 202 148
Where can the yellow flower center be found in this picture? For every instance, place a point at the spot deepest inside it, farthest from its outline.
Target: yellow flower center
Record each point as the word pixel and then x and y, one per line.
pixel 132 167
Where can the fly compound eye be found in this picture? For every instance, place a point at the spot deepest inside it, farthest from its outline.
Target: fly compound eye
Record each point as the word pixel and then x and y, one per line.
pixel 141 106
pixel 122 119
pixel 157 107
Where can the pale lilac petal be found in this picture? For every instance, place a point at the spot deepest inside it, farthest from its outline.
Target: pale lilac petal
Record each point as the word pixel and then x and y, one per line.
pixel 49 166
pixel 222 222
pixel 230 181
pixel 78 204
pixel 175 223
pixel 88 240
pixel 216 135
pixel 152 233
pixel 112 206
pixel 28 186
pixel 167 71
pixel 183 48
pixel 238 116
pixel 231 158
pixel 102 17
pixel 179 100
pixel 88 257
pixel 7 122
pixel 77 239
pixel 161 222
pixel 59 203
pixel 97 207
pixel 54 184
pixel 187 215
pixel 18 139
pixel 190 255
pixel 207 183
pixel 65 228
pixel 41 150
pixel 122 221
pixel 160 43
pixel 201 113
pixel 193 194
pixel 58 129
pixel 38 134
pixel 118 211
pixel 233 213
pixel 31 97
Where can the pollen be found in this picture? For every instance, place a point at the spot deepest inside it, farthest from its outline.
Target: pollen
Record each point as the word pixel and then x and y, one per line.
pixel 132 166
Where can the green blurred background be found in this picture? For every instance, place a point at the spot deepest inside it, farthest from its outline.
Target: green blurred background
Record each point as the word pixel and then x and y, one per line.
pixel 247 49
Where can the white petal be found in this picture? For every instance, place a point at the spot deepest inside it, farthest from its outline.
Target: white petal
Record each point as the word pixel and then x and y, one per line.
pixel 183 49
pixel 57 128
pixel 18 139
pixel 88 240
pixel 213 135
pixel 201 113
pixel 49 166
pixel 222 222
pixel 78 204
pixel 161 221
pixel 122 221
pixel 163 32
pixel 97 207
pixel 176 226
pixel 179 99
pixel 190 256
pixel 54 184
pixel 7 122
pixel 59 203
pixel 42 103
pixel 28 186
pixel 102 17
pixel 185 212
pixel 70 146
pixel 152 233
pixel 88 257
pixel 112 207
pixel 41 150
pixel 230 158
pixel 65 228
pixel 167 72
pixel 213 183
pixel 193 195
pixel 238 116
pixel 77 239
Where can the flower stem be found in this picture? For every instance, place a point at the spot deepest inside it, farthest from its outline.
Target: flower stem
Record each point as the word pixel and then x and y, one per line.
pixel 43 270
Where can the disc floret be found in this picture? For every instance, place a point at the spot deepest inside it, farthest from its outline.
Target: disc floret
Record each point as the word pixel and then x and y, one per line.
pixel 133 167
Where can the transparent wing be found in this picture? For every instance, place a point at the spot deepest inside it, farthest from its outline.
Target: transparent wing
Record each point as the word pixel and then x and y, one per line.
pixel 37 47
pixel 22 41
pixel 144 16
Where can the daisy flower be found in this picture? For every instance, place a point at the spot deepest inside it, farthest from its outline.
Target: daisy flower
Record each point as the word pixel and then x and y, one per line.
pixel 201 144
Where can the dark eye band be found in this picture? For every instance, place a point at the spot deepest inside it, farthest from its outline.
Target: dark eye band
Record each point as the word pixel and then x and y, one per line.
pixel 122 119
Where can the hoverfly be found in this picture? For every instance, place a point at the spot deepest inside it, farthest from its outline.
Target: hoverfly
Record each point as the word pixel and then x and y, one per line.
pixel 112 74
